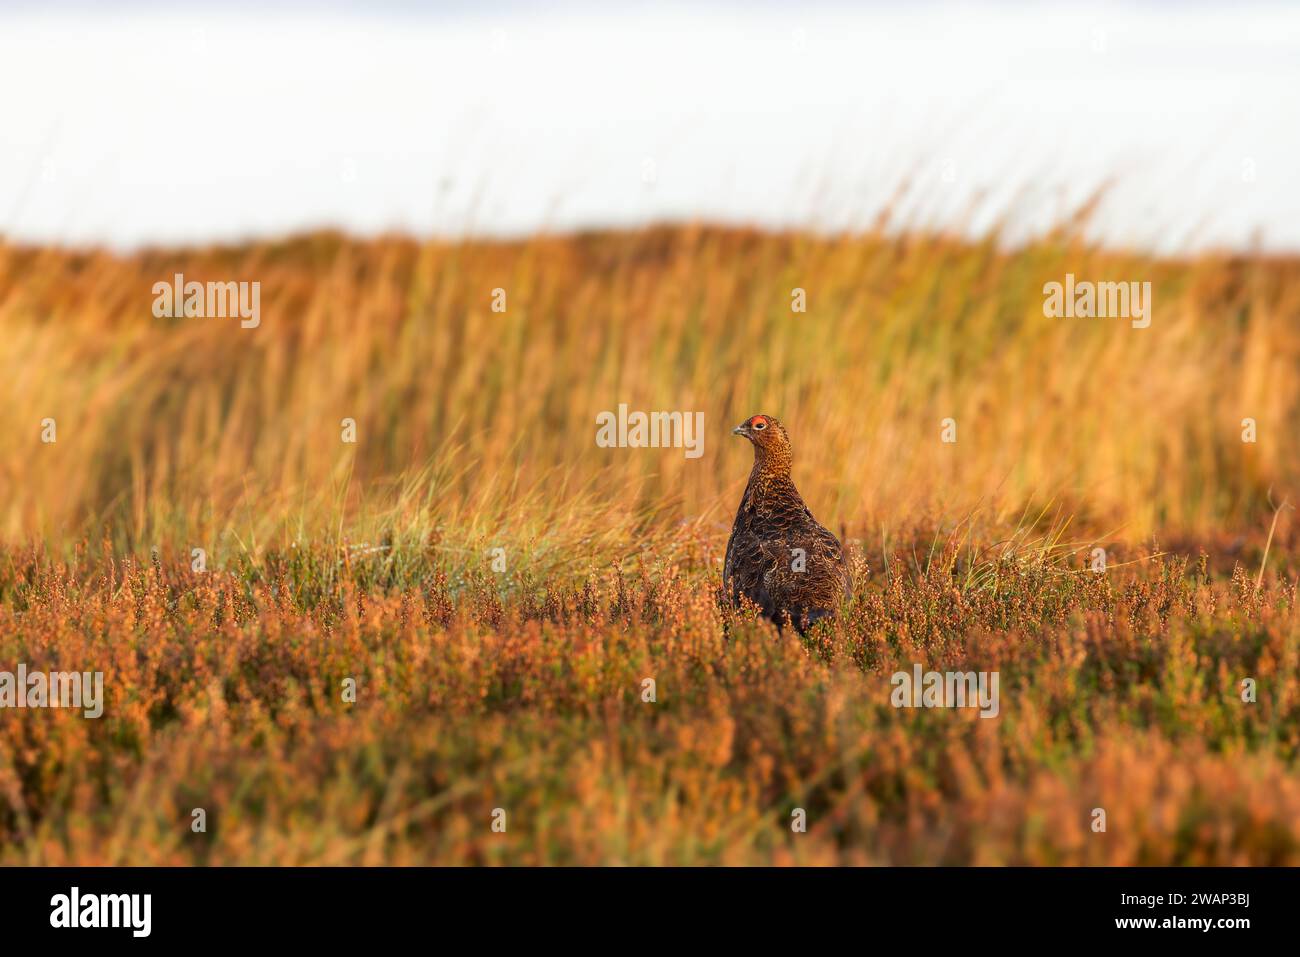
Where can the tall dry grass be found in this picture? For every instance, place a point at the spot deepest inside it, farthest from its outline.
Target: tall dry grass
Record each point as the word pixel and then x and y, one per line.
pixel 477 426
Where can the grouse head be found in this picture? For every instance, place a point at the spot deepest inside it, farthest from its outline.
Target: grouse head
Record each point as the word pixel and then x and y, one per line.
pixel 770 440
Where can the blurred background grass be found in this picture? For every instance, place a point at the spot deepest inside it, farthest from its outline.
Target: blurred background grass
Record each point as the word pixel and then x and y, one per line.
pixel 475 426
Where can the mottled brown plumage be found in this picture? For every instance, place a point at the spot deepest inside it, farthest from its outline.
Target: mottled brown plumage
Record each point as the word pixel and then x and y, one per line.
pixel 779 557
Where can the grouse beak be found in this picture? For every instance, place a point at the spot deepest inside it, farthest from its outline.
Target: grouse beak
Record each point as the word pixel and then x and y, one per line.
pixel 741 429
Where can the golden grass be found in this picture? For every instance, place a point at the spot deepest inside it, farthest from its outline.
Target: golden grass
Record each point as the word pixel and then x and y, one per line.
pixel 473 424
pixel 521 690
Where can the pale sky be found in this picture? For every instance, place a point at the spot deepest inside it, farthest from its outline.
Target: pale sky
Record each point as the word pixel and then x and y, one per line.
pixel 128 124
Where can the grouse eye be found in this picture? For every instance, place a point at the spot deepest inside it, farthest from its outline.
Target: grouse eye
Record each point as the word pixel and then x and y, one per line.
pixel 760 424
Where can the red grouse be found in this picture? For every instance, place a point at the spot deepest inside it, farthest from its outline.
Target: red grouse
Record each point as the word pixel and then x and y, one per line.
pixel 779 557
